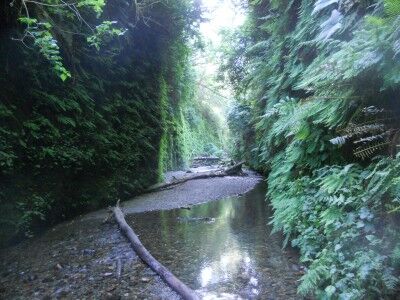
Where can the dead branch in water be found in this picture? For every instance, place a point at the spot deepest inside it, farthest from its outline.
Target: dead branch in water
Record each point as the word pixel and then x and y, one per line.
pixel 178 286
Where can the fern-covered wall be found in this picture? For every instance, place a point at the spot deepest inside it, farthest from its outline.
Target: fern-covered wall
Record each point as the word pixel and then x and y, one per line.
pixel 318 85
pixel 109 130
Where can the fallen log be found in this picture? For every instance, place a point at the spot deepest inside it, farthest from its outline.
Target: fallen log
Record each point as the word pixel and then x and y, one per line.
pixel 234 170
pixel 178 286
pixel 205 161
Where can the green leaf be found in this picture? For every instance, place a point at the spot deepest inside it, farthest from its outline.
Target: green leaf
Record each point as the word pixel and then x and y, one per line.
pixel 330 290
pixel 27 21
pixel 63 76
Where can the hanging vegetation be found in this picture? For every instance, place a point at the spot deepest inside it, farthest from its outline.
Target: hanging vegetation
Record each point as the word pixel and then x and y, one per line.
pixel 318 85
pixel 95 104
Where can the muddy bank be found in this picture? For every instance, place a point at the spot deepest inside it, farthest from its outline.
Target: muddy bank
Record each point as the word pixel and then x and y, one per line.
pixel 85 259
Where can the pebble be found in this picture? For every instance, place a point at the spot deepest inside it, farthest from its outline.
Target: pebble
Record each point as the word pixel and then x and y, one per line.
pixel 88 251
pixel 47 279
pixel 61 292
pixel 111 288
pixel 295 268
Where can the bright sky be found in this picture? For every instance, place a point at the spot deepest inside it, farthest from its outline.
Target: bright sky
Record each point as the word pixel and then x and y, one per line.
pixel 221 13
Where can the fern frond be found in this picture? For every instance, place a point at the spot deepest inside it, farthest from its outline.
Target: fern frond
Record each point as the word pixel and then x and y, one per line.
pixel 373 138
pixel 389 280
pixel 311 280
pixel 369 151
pixel 392 7
pixel 321 4
pixel 330 26
pixel 340 140
pixel 372 110
pixel 354 129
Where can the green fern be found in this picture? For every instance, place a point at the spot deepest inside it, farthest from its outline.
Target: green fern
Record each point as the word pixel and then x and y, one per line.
pixel 318 75
pixel 392 7
pixel 312 279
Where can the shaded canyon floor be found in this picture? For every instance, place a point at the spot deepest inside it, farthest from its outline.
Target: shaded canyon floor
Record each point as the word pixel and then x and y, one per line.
pixel 223 249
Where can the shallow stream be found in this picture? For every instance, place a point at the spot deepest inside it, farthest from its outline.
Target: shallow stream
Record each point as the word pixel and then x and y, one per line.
pixel 223 249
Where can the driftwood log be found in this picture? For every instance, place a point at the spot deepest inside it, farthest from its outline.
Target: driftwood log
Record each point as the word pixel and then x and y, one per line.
pixel 205 161
pixel 178 286
pixel 234 170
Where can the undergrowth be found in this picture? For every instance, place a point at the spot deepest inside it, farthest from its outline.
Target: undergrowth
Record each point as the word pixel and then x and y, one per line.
pixel 92 110
pixel 317 86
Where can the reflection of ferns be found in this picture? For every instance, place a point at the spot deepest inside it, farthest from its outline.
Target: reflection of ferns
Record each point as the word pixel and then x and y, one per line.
pixel 373 130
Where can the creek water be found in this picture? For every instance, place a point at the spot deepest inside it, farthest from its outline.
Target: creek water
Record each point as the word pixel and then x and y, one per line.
pixel 223 249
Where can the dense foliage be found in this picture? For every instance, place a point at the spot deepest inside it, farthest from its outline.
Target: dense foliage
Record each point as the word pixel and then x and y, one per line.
pixel 97 102
pixel 318 85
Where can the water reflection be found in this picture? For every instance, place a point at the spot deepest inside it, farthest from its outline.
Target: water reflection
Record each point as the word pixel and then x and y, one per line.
pixel 206 276
pixel 232 256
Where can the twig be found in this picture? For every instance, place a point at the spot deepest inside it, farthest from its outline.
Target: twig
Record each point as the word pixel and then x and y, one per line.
pixel 119 268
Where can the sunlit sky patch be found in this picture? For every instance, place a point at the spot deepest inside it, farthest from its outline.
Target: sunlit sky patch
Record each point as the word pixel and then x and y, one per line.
pixel 220 14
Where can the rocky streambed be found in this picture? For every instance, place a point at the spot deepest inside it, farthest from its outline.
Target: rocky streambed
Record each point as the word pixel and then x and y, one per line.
pixel 230 257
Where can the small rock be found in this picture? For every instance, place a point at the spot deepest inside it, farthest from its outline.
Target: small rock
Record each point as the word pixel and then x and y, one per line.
pixel 47 279
pixel 243 277
pixel 32 277
pixel 265 270
pixel 88 251
pixel 110 296
pixel 59 293
pixel 111 288
pixel 295 268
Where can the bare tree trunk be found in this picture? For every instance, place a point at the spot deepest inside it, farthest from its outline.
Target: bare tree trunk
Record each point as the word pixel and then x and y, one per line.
pixel 178 286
